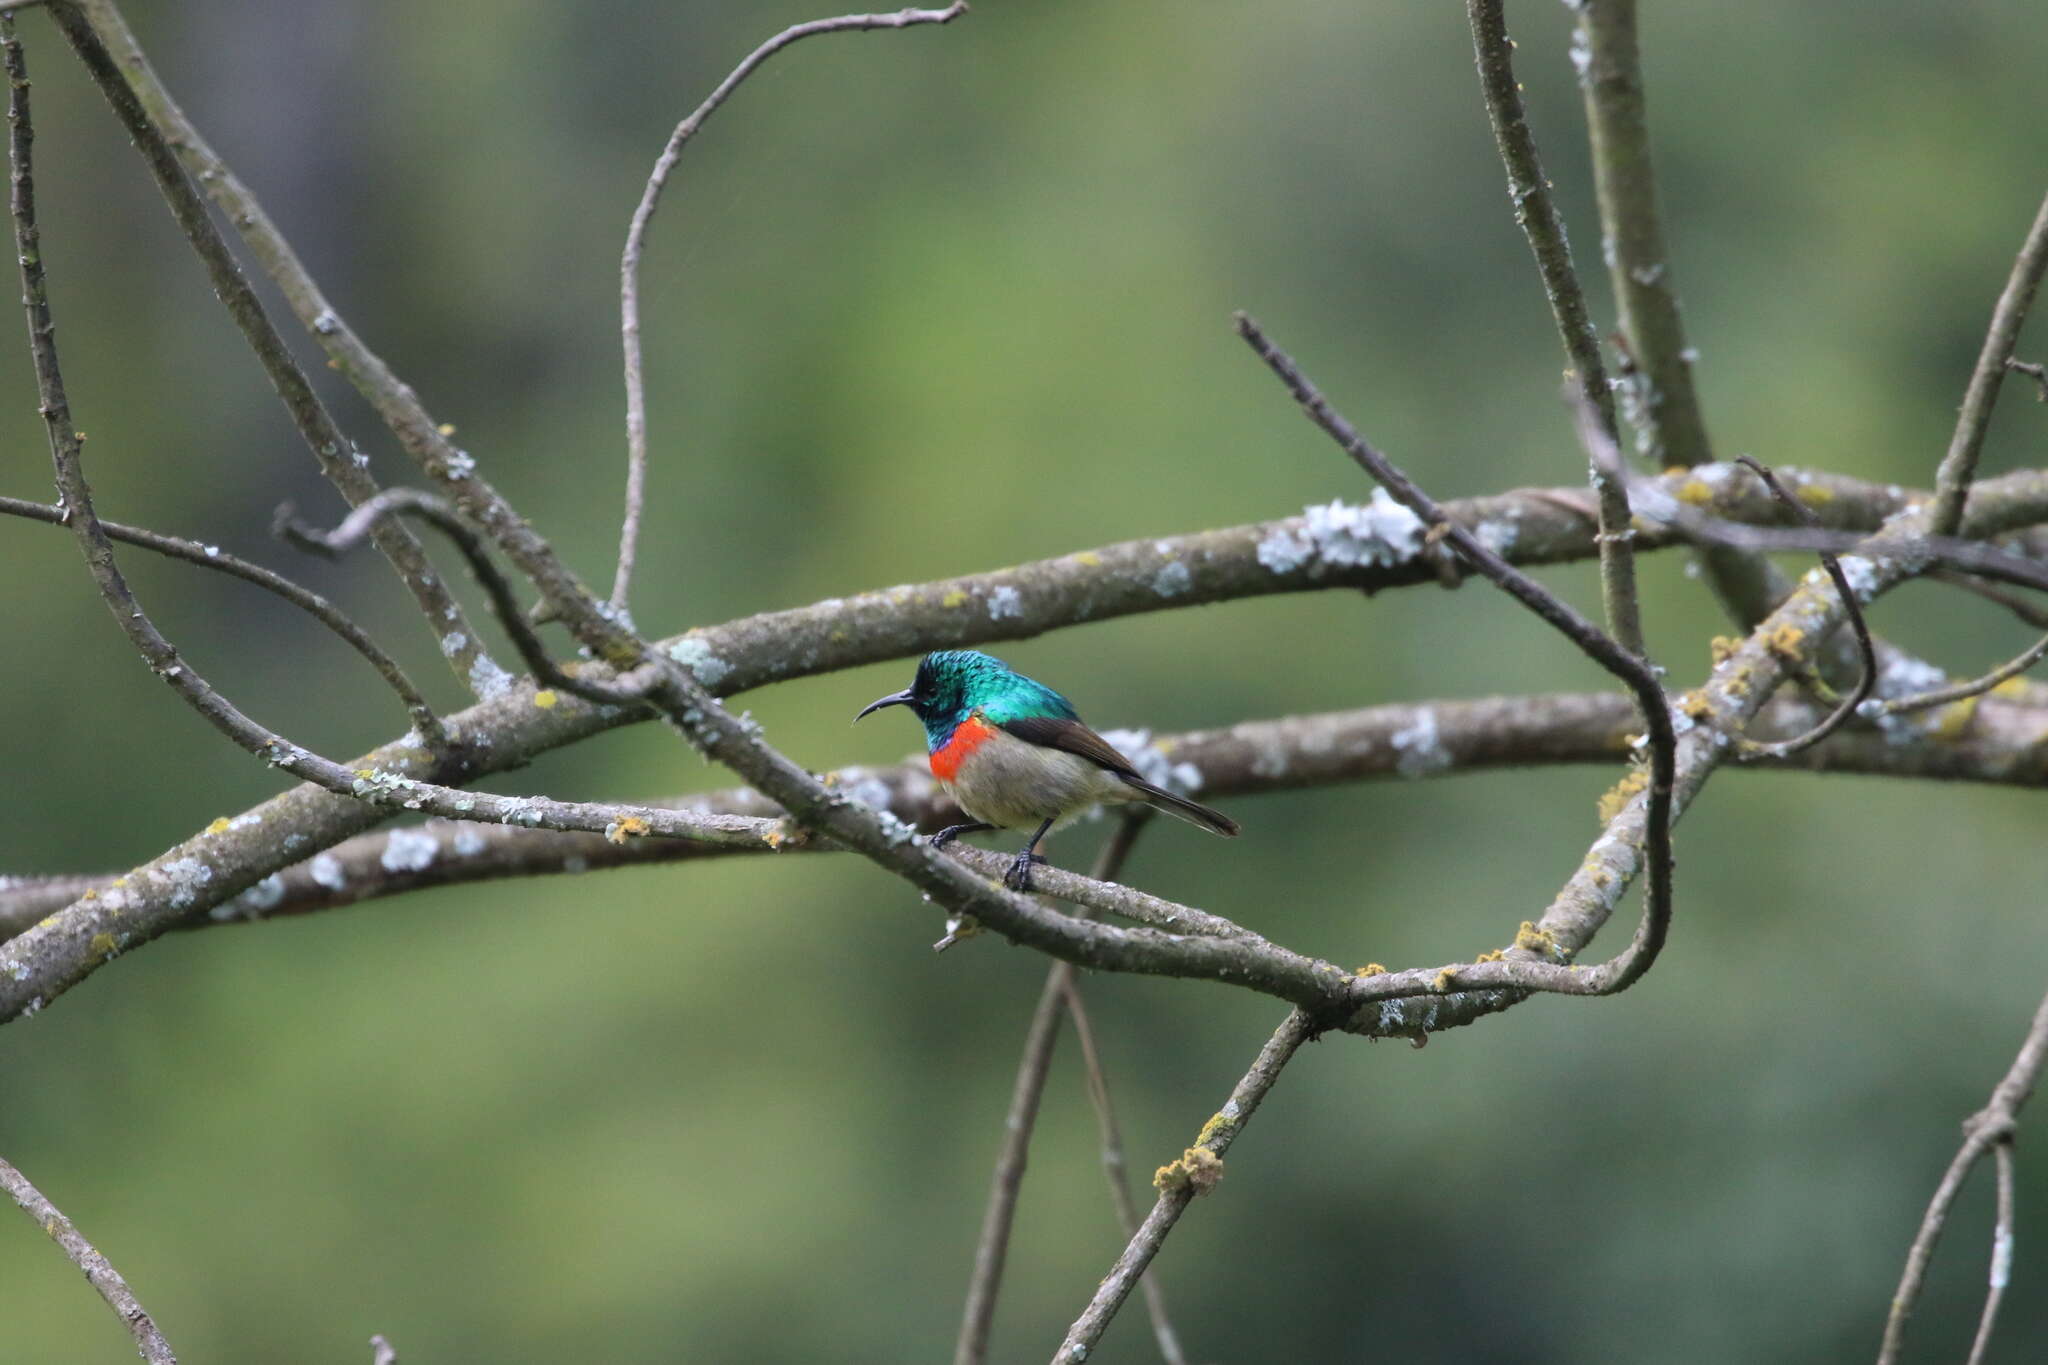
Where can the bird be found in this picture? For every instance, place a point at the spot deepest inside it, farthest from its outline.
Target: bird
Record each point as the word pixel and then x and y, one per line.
pixel 1012 752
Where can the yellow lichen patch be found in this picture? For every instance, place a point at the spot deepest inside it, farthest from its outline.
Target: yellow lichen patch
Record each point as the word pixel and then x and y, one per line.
pixel 1496 955
pixel 1693 493
pixel 446 428
pixel 1198 1169
pixel 1674 471
pixel 102 945
pixel 1737 685
pixel 1618 795
pixel 783 835
pixel 1533 939
pixel 1722 648
pixel 2012 689
pixel 545 699
pixel 1372 969
pixel 92 894
pixel 1816 495
pixel 1211 1128
pixel 219 825
pixel 1786 639
pixel 1696 705
pixel 619 830
pixel 1955 718
pixel 1444 979
pixel 955 598
pixel 1089 558
pixel 366 773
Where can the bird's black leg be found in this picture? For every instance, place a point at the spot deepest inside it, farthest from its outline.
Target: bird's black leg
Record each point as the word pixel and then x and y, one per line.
pixel 1018 878
pixel 946 835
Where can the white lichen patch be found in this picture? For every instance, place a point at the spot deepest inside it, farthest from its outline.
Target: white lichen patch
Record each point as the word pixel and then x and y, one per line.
pixel 873 792
pixel 1172 580
pixel 261 897
pixel 1498 534
pixel 1419 749
pixel 1343 535
pixel 1182 779
pixel 326 871
pixel 894 830
pixel 1005 601
pixel 1861 574
pixel 409 850
pixel 468 842
pixel 453 642
pixel 695 654
pixel 183 877
pixel 488 681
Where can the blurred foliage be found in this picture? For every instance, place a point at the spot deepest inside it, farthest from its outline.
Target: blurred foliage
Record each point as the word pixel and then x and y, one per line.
pixel 928 302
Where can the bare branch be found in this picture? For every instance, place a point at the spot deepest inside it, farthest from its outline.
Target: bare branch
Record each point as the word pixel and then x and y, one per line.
pixel 2035 372
pixel 2001 1255
pixel 424 721
pixel 1543 225
pixel 396 502
pixel 345 467
pixel 99 1272
pixel 636 241
pixel 1638 261
pixel 992 1249
pixel 1195 1172
pixel 1992 1126
pixel 1623 970
pixel 1866 652
pixel 1958 467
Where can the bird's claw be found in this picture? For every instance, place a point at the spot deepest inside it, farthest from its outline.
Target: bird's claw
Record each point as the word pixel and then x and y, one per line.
pixel 1018 877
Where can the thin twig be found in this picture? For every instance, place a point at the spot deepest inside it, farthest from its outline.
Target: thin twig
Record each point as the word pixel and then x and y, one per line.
pixel 1626 967
pixel 1543 225
pixel 2037 373
pixel 1638 262
pixel 992 1250
pixel 99 1272
pixel 1959 467
pixel 1195 1172
pixel 636 241
pixel 1113 1169
pixel 1866 652
pixel 2001 1255
pixel 392 503
pixel 1942 696
pixel 345 467
pixel 424 721
pixel 1990 1127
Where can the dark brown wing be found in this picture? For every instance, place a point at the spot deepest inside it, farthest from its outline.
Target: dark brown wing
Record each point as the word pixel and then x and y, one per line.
pixel 1056 732
pixel 1053 732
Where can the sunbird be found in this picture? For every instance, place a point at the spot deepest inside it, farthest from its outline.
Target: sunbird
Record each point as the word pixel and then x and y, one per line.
pixel 1012 752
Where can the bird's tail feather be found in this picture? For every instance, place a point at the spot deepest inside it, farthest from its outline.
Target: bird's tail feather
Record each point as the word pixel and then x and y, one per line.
pixel 1195 813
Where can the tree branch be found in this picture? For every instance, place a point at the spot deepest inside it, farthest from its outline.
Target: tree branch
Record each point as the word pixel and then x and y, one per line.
pixel 99 1271
pixel 1958 467
pixel 636 241
pixel 1992 1126
pixel 1543 226
pixel 1195 1172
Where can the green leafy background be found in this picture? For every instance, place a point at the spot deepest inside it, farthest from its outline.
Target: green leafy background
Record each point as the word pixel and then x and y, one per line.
pixel 930 302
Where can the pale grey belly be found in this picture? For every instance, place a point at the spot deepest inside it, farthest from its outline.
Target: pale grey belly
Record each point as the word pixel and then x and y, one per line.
pixel 1011 784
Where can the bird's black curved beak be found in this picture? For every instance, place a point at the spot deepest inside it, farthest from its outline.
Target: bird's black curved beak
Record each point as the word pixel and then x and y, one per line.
pixel 893 699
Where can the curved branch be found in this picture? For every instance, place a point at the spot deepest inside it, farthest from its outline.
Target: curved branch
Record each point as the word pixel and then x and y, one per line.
pixel 424 721
pixel 99 1271
pixel 1959 465
pixel 636 241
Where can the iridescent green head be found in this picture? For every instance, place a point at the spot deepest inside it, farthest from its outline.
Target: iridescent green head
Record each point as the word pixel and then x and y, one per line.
pixel 953 682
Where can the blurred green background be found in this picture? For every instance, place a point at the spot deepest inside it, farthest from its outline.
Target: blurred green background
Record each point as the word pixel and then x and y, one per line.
pixel 929 302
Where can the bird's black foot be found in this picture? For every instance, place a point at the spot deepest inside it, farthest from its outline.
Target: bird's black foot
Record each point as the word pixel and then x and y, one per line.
pixel 951 832
pixel 1018 878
